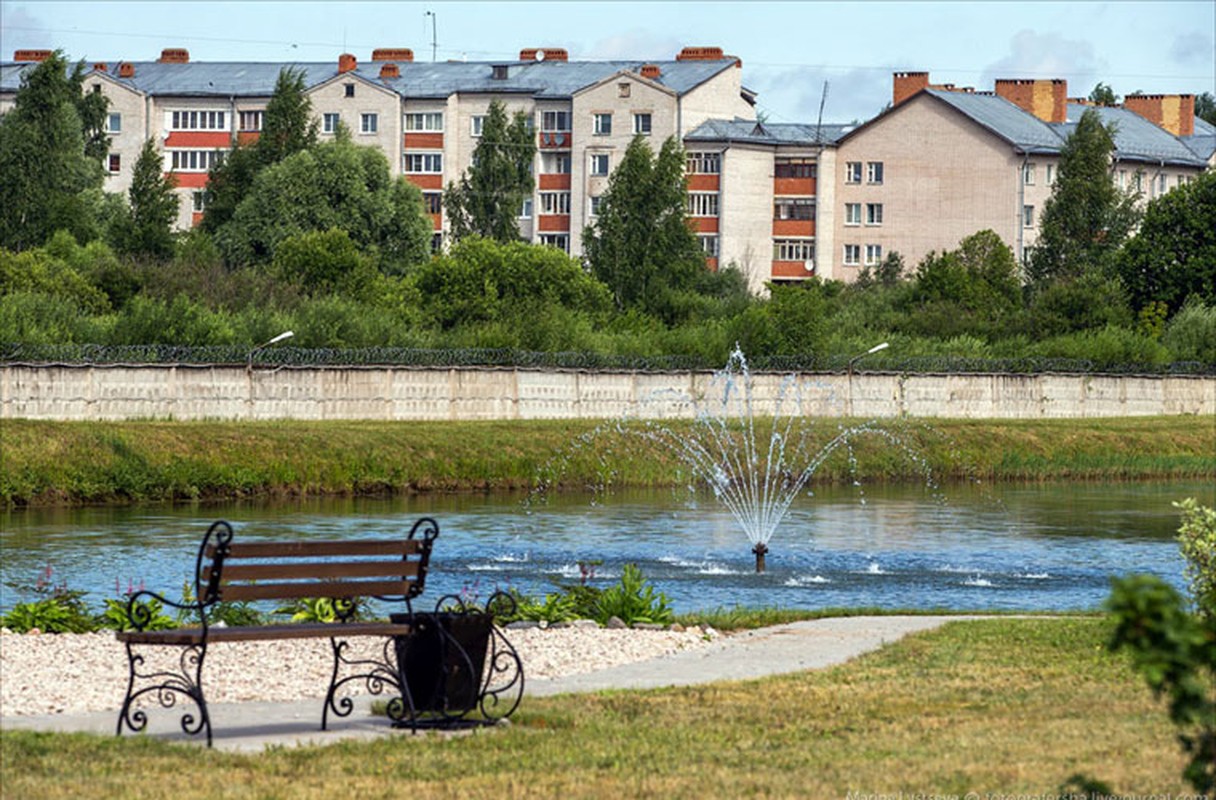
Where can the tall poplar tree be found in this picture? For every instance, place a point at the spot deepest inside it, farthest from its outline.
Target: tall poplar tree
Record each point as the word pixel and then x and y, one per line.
pixel 641 245
pixel 488 199
pixel 147 228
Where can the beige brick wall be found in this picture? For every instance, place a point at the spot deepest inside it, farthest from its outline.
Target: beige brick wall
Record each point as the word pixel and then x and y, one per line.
pixel 717 98
pixel 746 212
pixel 128 142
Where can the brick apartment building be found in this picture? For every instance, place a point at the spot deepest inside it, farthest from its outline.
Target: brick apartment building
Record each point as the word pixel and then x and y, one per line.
pixel 781 201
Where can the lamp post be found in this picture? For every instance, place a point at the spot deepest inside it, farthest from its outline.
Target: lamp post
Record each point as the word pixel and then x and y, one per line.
pixel 275 340
pixel 853 361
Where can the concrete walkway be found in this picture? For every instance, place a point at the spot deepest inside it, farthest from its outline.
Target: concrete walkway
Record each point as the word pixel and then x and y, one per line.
pixel 755 654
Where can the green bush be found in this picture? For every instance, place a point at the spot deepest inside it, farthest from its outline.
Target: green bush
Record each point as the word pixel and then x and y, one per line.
pixel 1191 334
pixel 1106 347
pixel 1197 541
pixel 37 318
pixel 117 615
pixel 633 600
pixel 182 321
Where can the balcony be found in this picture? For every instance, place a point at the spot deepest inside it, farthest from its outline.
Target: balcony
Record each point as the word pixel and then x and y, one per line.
pixel 423 141
pixel 553 182
pixel 554 140
pixel 793 186
pixel 553 223
pixel 792 270
pixel 793 227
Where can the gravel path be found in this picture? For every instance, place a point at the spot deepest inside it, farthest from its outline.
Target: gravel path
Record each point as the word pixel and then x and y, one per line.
pixel 76 673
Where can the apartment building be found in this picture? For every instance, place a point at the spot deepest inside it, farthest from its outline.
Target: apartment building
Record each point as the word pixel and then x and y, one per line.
pixel 783 202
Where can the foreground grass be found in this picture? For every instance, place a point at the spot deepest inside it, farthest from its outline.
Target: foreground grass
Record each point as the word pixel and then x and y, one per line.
pixel 1003 706
pixel 47 463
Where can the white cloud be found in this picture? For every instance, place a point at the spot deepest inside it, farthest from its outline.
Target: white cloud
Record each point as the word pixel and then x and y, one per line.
pixel 634 44
pixel 1192 49
pixel 1047 55
pixel 22 31
pixel 855 94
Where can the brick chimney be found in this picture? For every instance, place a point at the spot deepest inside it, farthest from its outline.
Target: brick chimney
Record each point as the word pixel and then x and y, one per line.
pixel 389 70
pixel 544 54
pixel 101 66
pixel 174 55
pixel 907 84
pixel 1046 98
pixel 347 63
pixel 651 71
pixel 700 54
pixel 126 70
pixel 392 54
pixel 1174 112
pixel 32 55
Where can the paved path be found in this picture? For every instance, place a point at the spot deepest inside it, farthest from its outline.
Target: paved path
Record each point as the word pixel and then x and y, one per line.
pixel 777 650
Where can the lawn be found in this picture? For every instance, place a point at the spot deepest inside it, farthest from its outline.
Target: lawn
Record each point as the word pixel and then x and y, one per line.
pixel 996 705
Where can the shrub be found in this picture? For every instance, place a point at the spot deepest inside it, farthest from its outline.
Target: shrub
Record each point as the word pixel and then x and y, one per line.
pixel 1191 334
pixel 1197 541
pixel 633 600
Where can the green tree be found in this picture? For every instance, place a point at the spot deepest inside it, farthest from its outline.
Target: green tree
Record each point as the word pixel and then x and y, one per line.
pixel 50 156
pixel 147 228
pixel 1087 217
pixel 1173 254
pixel 974 289
pixel 1103 95
pixel 1205 107
pixel 640 244
pixel 334 185
pixel 323 262
pixel 491 192
pixel 287 128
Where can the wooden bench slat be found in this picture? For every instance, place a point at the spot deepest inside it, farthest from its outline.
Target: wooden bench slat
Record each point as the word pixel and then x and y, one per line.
pixel 333 589
pixel 317 569
pixel 367 547
pixel 312 630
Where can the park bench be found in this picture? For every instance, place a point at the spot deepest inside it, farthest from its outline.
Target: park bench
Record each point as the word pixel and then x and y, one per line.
pixel 437 675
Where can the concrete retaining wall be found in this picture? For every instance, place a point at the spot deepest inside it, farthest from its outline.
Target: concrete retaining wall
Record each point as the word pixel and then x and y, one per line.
pixel 190 392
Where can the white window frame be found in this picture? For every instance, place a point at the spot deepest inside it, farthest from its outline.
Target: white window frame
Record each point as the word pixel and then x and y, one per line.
pixel 601 123
pixel 1028 174
pixel 599 165
pixel 476 123
pixel 593 205
pixel 525 208
pixel 417 163
pixel 198 120
pixel 643 122
pixel 703 162
pixel 559 240
pixel 783 207
pixel 112 118
pixel 794 250
pixel 710 244
pixel 555 121
pixel 424 122
pixel 366 117
pixel 702 204
pixel 852 255
pixel 852 214
pixel 330 121
pixel 555 163
pixel 198 200
pixel 193 159
pixel 1027 216
pixel 874 215
pixel 874 172
pixel 852 172
pixel 873 254
pixel 1051 174
pixel 554 203
pixel 255 115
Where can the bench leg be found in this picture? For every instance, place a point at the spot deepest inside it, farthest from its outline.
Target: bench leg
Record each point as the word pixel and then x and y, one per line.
pixel 374 673
pixel 165 687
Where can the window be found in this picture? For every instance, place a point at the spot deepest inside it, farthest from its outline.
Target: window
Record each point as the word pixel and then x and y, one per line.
pixel 114 123
pixel 198 121
pixel 1051 174
pixel 874 213
pixel 795 168
pixel 852 213
pixel 852 254
pixel 702 204
pixel 430 121
pixel 555 202
pixel 194 160
pixel 97 88
pixel 251 120
pixel 794 250
pixel 1027 216
pixel 794 208
pixel 709 244
pixel 1138 181
pixel 424 162
pixel 525 209
pixel 873 253
pixel 601 124
pixel 477 122
pixel 595 205
pixel 555 121
pixel 641 124
pixel 199 199
pixel 115 163
pixel 559 240
pixel 437 242
pixel 350 90
pixel 623 89
pixel 874 172
pixel 434 202
pixel 330 123
pixel 555 163
pixel 704 163
pixel 599 163
pixel 368 123
pixel 499 72
pixel 1161 184
pixel 1028 174
pixel 852 172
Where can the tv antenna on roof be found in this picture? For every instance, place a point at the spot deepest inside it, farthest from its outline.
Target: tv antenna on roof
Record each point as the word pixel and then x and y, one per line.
pixel 434 44
pixel 823 98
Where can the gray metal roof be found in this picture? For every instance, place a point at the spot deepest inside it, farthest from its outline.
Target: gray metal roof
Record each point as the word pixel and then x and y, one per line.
pixel 771 133
pixel 1024 131
pixel 542 79
pixel 1136 139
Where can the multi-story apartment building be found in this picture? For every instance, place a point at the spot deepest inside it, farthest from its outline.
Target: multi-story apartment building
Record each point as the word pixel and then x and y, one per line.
pixel 783 202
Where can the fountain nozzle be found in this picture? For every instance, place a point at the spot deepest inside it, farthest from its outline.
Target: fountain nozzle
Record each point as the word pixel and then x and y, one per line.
pixel 760 549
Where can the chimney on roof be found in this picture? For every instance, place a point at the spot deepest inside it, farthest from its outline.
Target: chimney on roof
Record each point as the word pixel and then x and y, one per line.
pixel 907 84
pixel 101 66
pixel 1045 98
pixel 174 55
pixel 544 54
pixel 700 54
pixel 651 71
pixel 1173 112
pixel 126 70
pixel 32 55
pixel 392 54
pixel 389 70
pixel 347 63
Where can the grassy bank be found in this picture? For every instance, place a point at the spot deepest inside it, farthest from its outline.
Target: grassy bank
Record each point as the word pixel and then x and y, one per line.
pixel 100 462
pixel 1006 706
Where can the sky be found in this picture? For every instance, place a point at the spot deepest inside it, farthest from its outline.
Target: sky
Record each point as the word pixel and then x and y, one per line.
pixel 790 50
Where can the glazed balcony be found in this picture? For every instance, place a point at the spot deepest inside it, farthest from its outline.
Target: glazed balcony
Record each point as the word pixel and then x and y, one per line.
pixel 554 140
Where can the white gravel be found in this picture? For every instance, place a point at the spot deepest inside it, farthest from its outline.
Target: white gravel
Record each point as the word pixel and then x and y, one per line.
pixel 76 673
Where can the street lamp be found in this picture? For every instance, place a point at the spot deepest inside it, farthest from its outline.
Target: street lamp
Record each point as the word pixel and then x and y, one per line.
pixel 275 340
pixel 869 352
